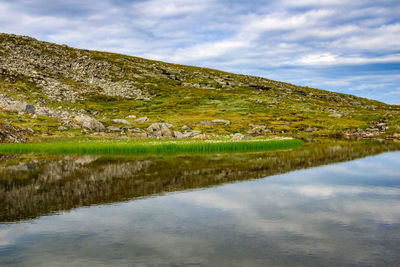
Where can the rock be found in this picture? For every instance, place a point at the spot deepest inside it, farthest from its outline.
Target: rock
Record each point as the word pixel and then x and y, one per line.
pixel 89 123
pixel 260 87
pixel 258 129
pixel 12 134
pixel 206 123
pixel 134 130
pixel 158 126
pixel 142 119
pixel 239 136
pixel 335 115
pixel 191 134
pixel 201 136
pixel 160 129
pixel 143 135
pixel 113 129
pixel 130 117
pixel 121 121
pixel 30 109
pixel 310 130
pixel 185 128
pixel 226 122
pixel 178 134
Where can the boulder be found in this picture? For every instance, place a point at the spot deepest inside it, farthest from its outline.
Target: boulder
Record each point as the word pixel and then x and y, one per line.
pixel 160 129
pixel 178 134
pixel 335 115
pixel 310 130
pixel 121 121
pixel 258 129
pixel 185 128
pixel 89 123
pixel 142 119
pixel 201 136
pixel 206 123
pixel 158 126
pixel 29 108
pixel 239 136
pixel 226 122
pixel 113 129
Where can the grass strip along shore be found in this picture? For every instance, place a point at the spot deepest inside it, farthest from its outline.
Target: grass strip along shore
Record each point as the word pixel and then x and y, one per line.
pixel 150 146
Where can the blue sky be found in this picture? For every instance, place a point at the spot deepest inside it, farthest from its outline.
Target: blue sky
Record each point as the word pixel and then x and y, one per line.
pixel 345 46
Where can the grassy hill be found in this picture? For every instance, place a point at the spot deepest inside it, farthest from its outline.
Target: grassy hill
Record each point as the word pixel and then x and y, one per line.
pixel 55 90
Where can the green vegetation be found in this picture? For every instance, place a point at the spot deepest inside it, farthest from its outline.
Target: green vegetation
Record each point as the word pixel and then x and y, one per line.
pixel 151 146
pixel 177 94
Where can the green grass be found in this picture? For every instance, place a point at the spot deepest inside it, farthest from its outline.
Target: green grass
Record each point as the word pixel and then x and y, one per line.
pixel 179 102
pixel 150 146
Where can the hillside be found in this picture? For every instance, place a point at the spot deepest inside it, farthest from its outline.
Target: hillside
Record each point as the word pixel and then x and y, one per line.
pixel 55 90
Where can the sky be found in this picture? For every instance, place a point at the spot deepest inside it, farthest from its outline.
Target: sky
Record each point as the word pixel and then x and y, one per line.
pixel 344 46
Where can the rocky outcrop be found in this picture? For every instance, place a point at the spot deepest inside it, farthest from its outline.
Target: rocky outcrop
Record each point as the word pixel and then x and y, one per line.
pixel 160 129
pixel 90 123
pixel 239 136
pixel 226 122
pixel 63 73
pixel 142 119
pixel 121 121
pixel 258 129
pixel 12 134
pixel 375 129
pixel 11 104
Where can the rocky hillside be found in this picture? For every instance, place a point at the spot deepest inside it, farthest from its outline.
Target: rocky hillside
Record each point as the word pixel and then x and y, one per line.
pixel 49 89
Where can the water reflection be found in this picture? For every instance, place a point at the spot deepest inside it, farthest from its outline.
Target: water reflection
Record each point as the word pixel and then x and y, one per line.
pixel 339 214
pixel 32 186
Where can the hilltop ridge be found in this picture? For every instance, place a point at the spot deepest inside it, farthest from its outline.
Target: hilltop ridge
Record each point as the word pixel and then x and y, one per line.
pixel 55 90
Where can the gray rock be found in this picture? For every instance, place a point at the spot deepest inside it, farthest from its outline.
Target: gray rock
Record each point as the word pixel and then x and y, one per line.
pixel 142 119
pixel 178 134
pixel 185 128
pixel 239 136
pixel 121 121
pixel 30 108
pixel 158 126
pixel 226 122
pixel 258 129
pixel 130 117
pixel 88 122
pixel 206 123
pixel 335 115
pixel 113 129
pixel 310 130
pixel 201 136
pixel 160 129
pixel 143 135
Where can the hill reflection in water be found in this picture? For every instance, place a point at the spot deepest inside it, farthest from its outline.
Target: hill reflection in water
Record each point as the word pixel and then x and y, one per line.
pixel 32 187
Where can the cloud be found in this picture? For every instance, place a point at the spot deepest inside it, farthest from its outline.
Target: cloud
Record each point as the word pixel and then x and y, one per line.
pixel 168 8
pixel 247 37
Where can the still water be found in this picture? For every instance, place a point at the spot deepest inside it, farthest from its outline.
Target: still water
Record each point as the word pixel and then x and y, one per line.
pixel 329 205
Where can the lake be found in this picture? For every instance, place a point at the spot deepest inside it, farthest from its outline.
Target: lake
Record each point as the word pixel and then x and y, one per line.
pixel 324 204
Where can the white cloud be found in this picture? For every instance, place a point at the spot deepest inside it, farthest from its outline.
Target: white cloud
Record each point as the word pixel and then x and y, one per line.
pixel 234 36
pixel 164 8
